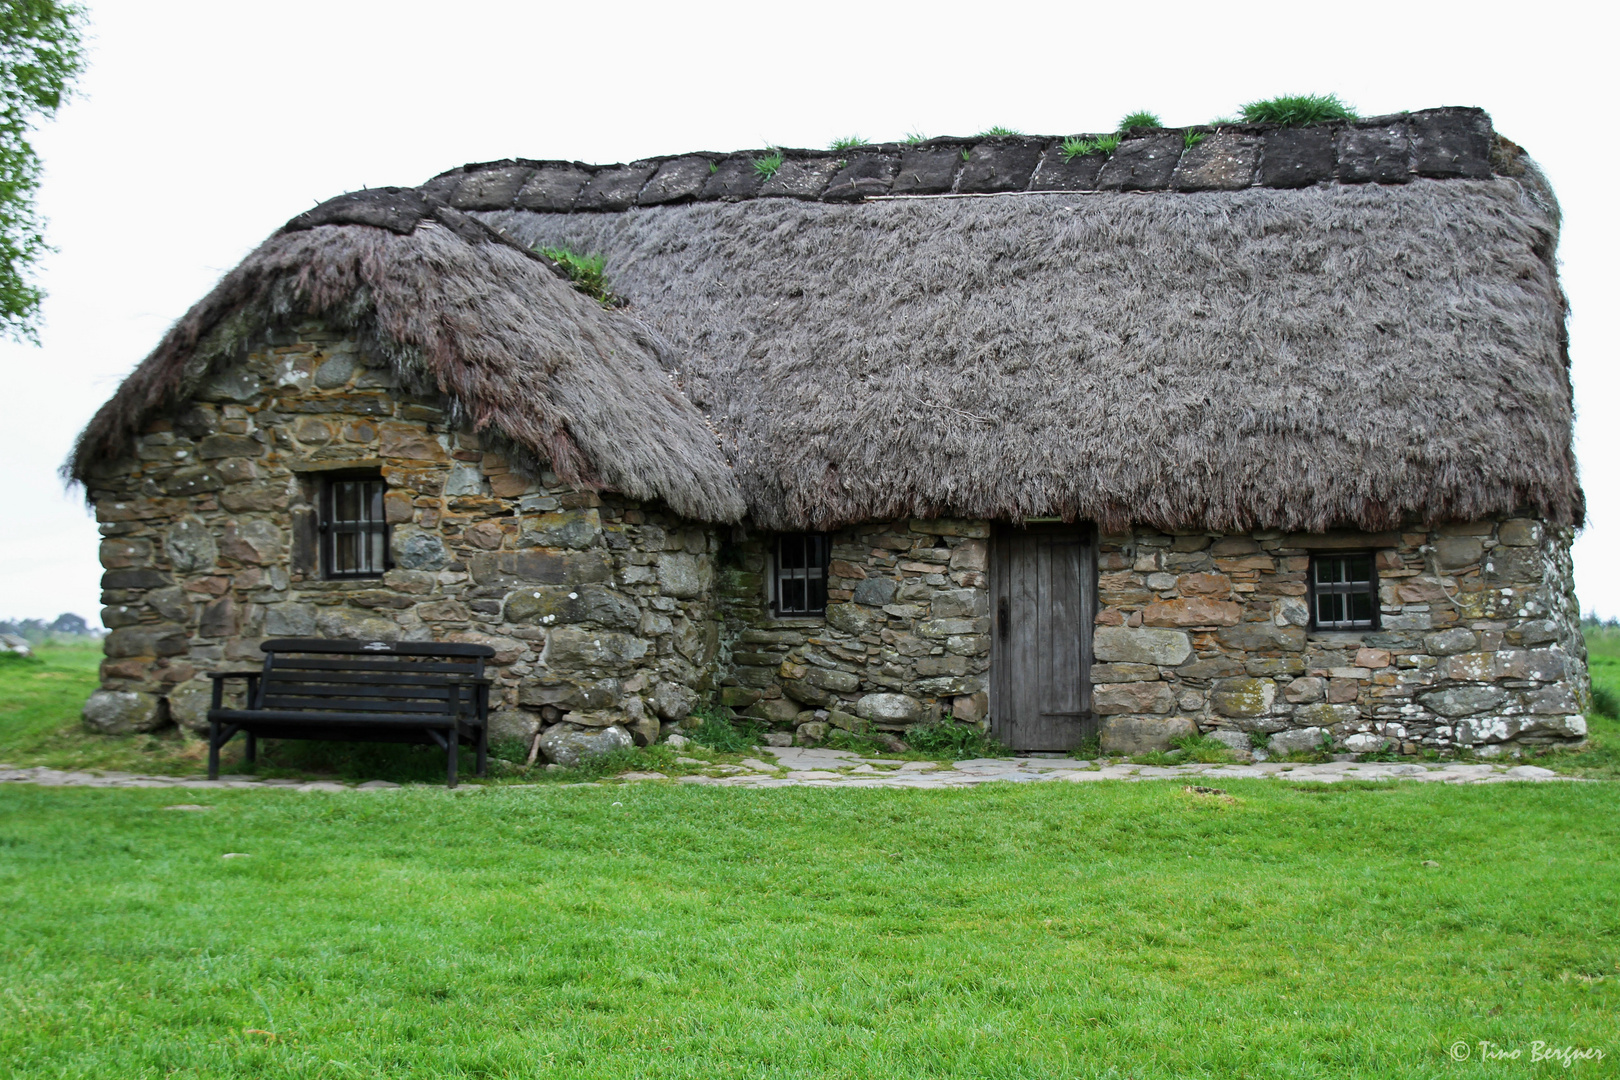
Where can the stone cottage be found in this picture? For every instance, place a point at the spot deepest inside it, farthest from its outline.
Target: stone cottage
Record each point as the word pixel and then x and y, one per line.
pixel 1254 431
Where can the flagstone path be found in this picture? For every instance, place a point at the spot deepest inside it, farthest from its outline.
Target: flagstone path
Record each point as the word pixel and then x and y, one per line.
pixel 811 767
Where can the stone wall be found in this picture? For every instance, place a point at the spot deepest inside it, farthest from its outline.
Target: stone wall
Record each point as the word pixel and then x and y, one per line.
pixel 1479 641
pixel 905 639
pixel 1478 645
pixel 596 606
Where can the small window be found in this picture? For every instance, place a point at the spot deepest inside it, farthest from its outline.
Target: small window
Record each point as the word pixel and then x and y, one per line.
pixel 800 585
pixel 354 533
pixel 1344 592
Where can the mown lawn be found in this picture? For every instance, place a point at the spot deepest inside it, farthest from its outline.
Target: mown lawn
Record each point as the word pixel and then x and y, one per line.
pixel 1050 930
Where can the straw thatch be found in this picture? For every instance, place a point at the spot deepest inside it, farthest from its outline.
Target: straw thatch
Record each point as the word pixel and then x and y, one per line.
pixel 463 313
pixel 1336 355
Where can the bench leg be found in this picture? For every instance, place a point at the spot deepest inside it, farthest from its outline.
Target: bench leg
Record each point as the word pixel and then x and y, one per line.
pixel 483 750
pixel 450 756
pixel 252 748
pixel 213 749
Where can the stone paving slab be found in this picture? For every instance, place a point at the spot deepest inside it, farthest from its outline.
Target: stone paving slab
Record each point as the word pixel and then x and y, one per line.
pixel 812 767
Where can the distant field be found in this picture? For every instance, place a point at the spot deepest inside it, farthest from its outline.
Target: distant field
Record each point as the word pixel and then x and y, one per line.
pixel 1603 656
pixel 1603 661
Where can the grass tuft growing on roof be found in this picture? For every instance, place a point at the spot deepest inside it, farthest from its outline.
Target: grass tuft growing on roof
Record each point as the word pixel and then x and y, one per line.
pixel 1141 119
pixel 585 272
pixel 1191 138
pixel 1298 109
pixel 1075 146
pixel 998 132
pixel 766 166
pixel 846 142
pixel 914 137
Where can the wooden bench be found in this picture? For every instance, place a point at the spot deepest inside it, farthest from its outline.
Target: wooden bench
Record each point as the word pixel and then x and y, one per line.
pixel 359 691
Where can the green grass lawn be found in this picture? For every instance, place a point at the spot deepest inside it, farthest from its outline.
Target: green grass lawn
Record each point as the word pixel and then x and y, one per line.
pixel 1603 657
pixel 40 699
pixel 1601 758
pixel 1050 930
pixel 655 930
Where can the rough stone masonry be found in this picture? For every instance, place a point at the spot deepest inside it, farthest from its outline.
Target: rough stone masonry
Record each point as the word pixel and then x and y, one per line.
pixel 597 607
pixel 1479 641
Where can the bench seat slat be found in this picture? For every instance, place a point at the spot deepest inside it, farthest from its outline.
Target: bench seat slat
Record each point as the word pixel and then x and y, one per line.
pixel 349 704
pixel 315 719
pixel 380 705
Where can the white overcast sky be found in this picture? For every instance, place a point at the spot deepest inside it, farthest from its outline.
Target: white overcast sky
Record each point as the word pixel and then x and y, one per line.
pixel 202 126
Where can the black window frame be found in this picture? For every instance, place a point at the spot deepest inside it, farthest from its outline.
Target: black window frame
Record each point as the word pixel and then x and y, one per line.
pixel 1346 587
pixel 330 527
pixel 800 558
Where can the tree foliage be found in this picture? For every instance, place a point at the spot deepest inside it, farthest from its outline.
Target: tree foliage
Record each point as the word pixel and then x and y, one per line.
pixel 41 53
pixel 37 630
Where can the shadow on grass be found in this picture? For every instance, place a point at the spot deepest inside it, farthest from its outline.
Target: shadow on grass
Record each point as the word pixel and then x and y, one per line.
pixel 399 763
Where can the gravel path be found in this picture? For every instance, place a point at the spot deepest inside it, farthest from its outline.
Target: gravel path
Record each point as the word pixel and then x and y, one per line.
pixel 808 767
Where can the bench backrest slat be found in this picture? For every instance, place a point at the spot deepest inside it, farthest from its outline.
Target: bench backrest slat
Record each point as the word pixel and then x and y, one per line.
pixel 368 664
pixel 348 678
pixel 407 678
pixel 353 647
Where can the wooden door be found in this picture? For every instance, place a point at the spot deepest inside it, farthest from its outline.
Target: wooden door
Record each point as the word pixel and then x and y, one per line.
pixel 1043 583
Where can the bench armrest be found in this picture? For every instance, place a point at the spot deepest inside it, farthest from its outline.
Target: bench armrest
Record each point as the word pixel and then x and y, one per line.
pixel 479 701
pixel 219 677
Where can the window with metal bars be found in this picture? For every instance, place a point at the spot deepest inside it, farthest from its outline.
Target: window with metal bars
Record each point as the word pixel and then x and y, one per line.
pixel 354 531
pixel 800 585
pixel 1344 592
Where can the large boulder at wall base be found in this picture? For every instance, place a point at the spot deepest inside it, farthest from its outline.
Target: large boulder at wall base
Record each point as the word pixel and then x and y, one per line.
pixel 569 744
pixel 189 703
pixel 1142 734
pixel 889 709
pixel 121 712
pixel 513 724
pixel 672 701
pixel 1297 740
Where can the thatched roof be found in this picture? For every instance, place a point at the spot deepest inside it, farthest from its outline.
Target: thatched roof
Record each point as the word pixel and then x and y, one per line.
pixel 1262 338
pixel 461 312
